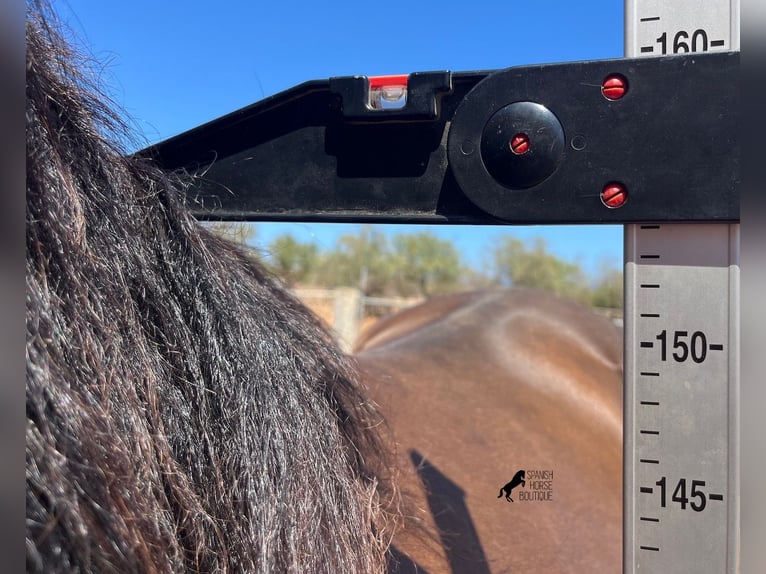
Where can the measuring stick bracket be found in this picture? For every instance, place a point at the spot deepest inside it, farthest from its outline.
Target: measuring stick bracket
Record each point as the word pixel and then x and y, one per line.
pixel 610 141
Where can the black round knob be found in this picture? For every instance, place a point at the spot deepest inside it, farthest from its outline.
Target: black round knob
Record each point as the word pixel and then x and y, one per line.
pixel 522 144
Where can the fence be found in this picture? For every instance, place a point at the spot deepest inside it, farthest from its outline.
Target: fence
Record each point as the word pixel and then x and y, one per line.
pixel 348 312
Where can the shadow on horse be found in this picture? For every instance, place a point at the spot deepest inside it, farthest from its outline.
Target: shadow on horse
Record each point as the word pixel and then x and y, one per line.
pixel 480 386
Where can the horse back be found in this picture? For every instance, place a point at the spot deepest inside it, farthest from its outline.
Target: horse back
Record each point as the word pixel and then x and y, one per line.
pixel 477 387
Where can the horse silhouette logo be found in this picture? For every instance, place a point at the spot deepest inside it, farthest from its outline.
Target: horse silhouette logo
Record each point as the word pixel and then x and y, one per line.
pixel 518 479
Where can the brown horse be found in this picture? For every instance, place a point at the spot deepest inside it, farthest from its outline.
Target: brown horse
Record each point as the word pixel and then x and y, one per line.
pixel 479 386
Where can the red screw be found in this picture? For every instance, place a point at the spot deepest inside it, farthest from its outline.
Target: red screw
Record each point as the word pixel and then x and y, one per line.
pixel 520 144
pixel 614 87
pixel 614 195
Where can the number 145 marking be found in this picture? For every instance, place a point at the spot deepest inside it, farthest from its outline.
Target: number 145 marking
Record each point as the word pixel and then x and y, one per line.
pixel 696 499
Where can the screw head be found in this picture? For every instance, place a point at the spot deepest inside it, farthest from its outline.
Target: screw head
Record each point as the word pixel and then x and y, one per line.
pixel 520 144
pixel 614 195
pixel 614 87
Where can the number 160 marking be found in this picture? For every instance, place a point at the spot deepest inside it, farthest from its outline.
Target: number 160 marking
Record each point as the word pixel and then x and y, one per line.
pixel 699 42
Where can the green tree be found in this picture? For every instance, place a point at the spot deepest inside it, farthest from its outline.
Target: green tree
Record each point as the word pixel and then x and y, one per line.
pixel 608 289
pixel 425 265
pixel 531 265
pixel 473 279
pixel 360 259
pixel 293 261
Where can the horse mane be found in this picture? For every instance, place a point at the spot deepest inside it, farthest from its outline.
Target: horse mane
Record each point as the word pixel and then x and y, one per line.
pixel 184 413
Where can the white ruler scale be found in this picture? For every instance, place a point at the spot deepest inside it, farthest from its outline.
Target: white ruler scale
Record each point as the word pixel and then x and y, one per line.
pixel 681 479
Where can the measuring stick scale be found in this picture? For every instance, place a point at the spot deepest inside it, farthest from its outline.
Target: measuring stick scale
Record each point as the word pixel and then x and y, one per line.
pixel 680 404
pixel 681 417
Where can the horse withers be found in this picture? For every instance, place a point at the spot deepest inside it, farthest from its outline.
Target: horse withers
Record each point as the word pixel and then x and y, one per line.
pixel 510 387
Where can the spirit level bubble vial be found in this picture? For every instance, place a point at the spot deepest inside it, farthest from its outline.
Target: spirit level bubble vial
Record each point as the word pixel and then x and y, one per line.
pixel 681 486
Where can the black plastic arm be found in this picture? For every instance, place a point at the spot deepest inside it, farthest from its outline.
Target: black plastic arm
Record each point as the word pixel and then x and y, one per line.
pixel 525 145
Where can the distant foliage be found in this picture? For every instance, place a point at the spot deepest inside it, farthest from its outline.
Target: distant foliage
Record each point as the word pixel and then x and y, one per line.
pixel 519 264
pixel 421 264
pixel 425 265
pixel 362 260
pixel 293 261
pixel 608 291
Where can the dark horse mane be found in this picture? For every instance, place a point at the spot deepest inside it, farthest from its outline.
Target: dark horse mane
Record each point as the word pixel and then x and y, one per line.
pixel 184 413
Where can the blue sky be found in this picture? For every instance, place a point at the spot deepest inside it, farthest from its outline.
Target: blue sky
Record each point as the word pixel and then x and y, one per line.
pixel 174 65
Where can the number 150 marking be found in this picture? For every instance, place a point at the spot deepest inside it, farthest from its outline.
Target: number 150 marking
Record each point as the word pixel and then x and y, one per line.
pixel 695 349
